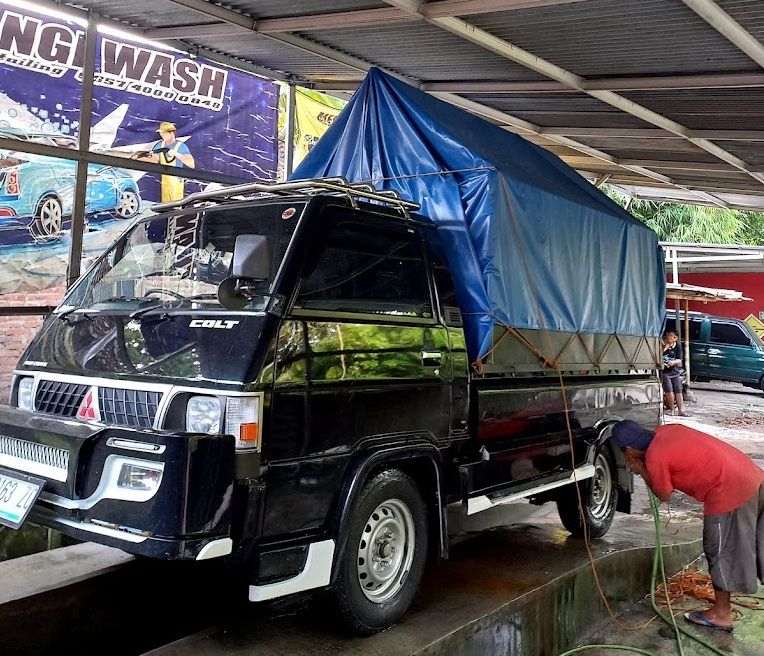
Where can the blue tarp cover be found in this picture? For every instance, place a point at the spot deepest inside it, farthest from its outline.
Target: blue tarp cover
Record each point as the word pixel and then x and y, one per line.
pixel 531 243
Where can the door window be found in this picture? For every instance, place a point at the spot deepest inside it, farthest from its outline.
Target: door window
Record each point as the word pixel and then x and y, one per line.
pixel 729 333
pixel 694 330
pixel 368 271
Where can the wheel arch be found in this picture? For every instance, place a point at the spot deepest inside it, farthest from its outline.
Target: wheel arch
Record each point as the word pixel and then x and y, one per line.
pixel 422 462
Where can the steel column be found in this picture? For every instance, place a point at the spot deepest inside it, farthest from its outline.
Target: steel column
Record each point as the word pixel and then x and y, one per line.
pixel 289 128
pixel 81 181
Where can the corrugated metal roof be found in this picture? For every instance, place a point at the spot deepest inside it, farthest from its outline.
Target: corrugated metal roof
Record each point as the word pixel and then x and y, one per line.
pixel 575 110
pixel 707 109
pixel 618 37
pixel 643 44
pixel 277 56
pixel 423 51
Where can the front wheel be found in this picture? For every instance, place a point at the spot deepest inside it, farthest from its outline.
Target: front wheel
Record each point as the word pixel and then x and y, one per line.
pixel 599 495
pixel 129 205
pixel 385 554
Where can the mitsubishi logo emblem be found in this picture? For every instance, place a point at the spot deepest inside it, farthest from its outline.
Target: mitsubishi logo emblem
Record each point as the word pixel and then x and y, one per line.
pixel 89 407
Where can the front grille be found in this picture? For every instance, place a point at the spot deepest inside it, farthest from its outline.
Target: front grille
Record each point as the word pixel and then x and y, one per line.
pixel 58 398
pixel 128 407
pixel 32 457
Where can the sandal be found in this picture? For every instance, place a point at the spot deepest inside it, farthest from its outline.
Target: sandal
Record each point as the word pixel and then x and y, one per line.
pixel 697 618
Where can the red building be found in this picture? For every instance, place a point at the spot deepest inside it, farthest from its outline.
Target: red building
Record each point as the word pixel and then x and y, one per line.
pixel 738 268
pixel 751 284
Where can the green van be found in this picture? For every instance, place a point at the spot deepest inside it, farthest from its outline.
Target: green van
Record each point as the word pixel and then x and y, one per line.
pixel 722 349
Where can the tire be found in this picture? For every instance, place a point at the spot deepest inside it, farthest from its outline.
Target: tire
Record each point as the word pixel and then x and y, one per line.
pixel 388 525
pixel 599 495
pixel 129 205
pixel 48 219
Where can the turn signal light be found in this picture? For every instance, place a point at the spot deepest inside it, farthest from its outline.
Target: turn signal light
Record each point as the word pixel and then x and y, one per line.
pixel 242 420
pixel 249 433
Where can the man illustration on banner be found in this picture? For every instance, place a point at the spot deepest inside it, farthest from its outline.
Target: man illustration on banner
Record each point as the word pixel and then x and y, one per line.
pixel 170 152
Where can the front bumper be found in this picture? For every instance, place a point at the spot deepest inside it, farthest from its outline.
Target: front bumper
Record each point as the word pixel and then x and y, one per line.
pixel 187 515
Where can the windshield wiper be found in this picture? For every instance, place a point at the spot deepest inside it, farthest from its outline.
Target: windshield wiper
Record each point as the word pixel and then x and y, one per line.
pixel 159 305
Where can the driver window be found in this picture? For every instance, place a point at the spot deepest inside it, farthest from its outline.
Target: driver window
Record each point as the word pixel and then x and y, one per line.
pixel 368 271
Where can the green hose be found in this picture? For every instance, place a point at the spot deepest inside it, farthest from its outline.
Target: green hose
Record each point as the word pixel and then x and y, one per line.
pixel 671 620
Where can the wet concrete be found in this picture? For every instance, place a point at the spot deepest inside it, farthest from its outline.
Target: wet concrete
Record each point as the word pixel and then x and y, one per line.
pixel 522 590
pixel 660 638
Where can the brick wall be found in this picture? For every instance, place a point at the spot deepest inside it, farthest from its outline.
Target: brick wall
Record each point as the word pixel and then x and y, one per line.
pixel 17 331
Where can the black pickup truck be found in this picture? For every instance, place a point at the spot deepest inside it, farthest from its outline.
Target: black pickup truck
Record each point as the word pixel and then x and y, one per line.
pixel 282 380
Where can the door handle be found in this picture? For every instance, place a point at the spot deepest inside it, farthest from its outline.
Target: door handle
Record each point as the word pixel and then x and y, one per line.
pixel 432 358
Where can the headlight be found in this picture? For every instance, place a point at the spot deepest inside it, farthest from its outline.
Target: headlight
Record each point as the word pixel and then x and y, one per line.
pixel 242 420
pixel 203 414
pixel 25 400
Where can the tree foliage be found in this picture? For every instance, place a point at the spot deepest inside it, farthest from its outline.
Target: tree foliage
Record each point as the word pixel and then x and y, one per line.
pixel 697 223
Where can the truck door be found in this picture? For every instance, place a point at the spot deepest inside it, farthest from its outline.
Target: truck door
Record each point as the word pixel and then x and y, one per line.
pixel 364 361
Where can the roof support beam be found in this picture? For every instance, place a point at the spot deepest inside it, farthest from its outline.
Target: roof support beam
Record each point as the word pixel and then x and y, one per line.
pixel 654 133
pixel 721 21
pixel 445 8
pixel 518 55
pixel 337 20
pixel 668 82
pixel 681 166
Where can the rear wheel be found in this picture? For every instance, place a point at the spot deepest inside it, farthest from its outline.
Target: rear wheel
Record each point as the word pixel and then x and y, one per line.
pixel 385 554
pixel 599 495
pixel 48 219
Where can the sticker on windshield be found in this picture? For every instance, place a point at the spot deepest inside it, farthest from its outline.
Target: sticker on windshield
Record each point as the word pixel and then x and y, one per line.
pixel 223 324
pixel 289 213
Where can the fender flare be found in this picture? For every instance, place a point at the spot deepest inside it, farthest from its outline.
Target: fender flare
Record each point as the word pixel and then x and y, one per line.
pixel 365 461
pixel 625 477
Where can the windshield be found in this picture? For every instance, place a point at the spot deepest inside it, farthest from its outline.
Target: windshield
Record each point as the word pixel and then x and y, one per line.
pixel 178 261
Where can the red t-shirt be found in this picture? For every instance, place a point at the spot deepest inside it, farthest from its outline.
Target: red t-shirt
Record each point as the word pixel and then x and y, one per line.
pixel 711 471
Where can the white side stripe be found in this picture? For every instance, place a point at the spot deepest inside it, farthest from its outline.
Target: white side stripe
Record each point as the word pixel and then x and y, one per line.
pixel 478 504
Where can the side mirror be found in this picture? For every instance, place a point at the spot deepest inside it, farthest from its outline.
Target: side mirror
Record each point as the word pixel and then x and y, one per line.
pixel 251 258
pixel 251 263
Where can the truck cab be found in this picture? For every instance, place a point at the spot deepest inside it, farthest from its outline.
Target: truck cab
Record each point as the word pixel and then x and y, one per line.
pixel 282 380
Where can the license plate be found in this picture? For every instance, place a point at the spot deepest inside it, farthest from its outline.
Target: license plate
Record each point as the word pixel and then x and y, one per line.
pixel 18 492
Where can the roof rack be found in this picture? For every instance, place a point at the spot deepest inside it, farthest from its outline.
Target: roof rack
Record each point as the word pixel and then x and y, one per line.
pixel 336 186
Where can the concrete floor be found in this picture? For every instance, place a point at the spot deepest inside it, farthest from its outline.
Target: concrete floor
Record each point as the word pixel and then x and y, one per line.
pixel 659 638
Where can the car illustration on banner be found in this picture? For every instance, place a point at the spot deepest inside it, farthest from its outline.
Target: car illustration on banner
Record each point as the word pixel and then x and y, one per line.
pixel 37 193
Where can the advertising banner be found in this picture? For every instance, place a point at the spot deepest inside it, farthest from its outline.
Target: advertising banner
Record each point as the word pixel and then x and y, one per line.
pixel 150 103
pixel 314 113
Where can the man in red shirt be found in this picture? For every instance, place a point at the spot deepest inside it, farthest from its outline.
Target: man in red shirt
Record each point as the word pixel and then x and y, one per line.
pixel 731 487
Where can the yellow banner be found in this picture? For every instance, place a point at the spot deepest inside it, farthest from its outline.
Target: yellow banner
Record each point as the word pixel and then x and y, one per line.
pixel 314 113
pixel 756 323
